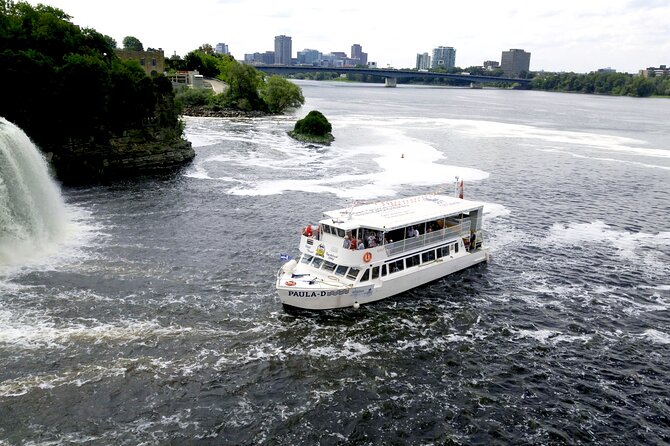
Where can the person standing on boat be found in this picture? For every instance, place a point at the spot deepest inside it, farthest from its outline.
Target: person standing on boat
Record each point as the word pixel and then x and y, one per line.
pixel 360 244
pixel 308 231
pixel 346 243
pixel 473 237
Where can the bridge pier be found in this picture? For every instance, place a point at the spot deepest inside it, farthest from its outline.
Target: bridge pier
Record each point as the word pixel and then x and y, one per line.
pixel 390 82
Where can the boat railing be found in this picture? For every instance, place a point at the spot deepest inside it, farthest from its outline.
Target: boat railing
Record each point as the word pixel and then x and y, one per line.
pixel 429 238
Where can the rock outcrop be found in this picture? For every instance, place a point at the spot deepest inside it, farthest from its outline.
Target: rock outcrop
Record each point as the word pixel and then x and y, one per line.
pixel 133 154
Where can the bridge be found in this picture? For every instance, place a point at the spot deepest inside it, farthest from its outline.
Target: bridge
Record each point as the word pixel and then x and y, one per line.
pixel 391 75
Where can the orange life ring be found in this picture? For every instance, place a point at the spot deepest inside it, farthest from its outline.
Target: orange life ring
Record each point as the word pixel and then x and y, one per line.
pixel 290 283
pixel 367 257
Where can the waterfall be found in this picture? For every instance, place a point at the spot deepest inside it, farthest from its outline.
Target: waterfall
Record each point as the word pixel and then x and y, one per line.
pixel 33 217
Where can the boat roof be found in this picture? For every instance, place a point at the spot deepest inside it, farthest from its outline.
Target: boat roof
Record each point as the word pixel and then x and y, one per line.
pixel 399 213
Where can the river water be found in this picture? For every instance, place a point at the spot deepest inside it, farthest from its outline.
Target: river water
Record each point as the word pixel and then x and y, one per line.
pixel 156 321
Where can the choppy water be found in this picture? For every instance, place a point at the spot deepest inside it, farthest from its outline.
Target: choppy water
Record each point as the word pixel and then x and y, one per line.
pixel 157 322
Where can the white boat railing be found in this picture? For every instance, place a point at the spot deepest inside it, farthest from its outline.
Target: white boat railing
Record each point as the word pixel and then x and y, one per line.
pixel 429 238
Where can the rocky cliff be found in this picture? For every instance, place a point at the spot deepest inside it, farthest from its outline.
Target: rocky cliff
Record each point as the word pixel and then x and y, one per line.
pixel 135 153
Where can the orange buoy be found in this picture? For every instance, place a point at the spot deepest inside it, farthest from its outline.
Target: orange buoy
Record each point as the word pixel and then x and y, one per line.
pixel 367 257
pixel 290 283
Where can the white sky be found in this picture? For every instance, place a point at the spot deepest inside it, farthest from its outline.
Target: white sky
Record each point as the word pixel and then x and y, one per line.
pixel 564 35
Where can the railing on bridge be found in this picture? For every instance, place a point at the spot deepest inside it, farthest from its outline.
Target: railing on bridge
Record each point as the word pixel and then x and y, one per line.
pixel 387 73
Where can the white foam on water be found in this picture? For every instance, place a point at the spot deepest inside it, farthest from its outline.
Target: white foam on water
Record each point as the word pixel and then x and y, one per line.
pixel 82 375
pixel 611 160
pixel 656 336
pixel 608 143
pixel 627 243
pixel 38 331
pixel 553 337
pixel 367 171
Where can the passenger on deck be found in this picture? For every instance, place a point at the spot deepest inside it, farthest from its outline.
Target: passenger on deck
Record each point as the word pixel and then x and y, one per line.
pixel 371 241
pixel 360 244
pixel 352 245
pixel 308 231
pixel 412 232
pixel 346 243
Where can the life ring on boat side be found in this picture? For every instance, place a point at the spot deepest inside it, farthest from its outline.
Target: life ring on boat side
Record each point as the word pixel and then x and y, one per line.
pixel 367 257
pixel 290 283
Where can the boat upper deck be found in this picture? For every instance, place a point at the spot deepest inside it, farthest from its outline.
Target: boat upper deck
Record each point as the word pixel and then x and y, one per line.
pixel 399 213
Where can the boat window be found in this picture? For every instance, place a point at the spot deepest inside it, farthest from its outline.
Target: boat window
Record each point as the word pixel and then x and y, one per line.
pixel 340 232
pixel 326 229
pixel 366 275
pixel 456 247
pixel 329 266
pixel 383 270
pixel 412 260
pixel 341 270
pixel 428 256
pixel 317 262
pixel 306 259
pixel 353 273
pixel 375 272
pixel 397 265
pixel 443 251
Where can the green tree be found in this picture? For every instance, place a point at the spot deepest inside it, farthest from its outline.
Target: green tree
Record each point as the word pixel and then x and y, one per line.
pixel 68 86
pixel 243 82
pixel 206 48
pixel 314 124
pixel 280 94
pixel 205 64
pixel 132 43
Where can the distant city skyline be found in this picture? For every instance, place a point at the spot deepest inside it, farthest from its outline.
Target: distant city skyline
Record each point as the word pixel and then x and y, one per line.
pixel 627 35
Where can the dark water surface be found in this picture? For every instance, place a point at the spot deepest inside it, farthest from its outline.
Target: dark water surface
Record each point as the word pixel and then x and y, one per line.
pixel 158 323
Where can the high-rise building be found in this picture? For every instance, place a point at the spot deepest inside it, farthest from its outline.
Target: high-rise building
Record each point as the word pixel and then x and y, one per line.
pixel 283 50
pixel 422 61
pixel 490 65
pixel 358 56
pixel 444 57
pixel 221 48
pixel 309 57
pixel 514 62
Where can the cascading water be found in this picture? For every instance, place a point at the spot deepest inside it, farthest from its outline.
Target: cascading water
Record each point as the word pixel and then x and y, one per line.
pixel 33 218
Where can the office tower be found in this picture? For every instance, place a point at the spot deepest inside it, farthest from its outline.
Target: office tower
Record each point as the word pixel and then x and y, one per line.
pixel 358 56
pixel 283 50
pixel 221 48
pixel 514 62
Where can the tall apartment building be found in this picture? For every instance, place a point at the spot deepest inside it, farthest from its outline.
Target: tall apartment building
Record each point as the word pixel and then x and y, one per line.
pixel 444 57
pixel 283 50
pixel 358 56
pixel 514 62
pixel 422 61
pixel 221 48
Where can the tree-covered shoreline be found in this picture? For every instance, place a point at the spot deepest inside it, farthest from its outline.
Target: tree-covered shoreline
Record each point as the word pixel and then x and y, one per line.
pixel 95 115
pixel 605 83
pixel 248 90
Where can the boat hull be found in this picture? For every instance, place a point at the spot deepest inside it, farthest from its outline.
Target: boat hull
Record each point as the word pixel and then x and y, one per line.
pixel 342 297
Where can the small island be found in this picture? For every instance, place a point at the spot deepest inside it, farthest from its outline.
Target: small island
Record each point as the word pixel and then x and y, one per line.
pixel 313 128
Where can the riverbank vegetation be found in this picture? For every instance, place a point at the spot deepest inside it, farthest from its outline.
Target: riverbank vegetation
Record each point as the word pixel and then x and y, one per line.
pixel 313 128
pixel 67 89
pixel 248 89
pixel 621 84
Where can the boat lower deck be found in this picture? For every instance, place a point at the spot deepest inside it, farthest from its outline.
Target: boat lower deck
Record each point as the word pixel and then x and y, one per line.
pixel 310 290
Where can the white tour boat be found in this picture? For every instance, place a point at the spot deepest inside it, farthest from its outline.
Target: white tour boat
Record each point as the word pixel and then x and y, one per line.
pixel 369 252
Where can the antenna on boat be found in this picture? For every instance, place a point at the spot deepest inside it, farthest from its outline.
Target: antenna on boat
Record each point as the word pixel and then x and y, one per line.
pixel 458 189
pixel 351 209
